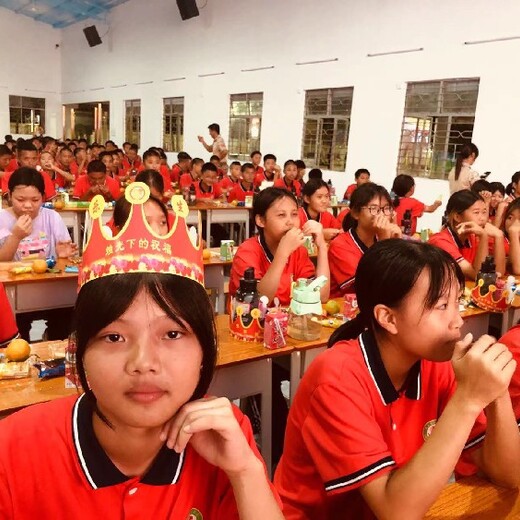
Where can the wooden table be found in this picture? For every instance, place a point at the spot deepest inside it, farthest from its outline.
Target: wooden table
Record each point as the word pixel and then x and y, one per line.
pixel 34 292
pixel 475 499
pixel 243 369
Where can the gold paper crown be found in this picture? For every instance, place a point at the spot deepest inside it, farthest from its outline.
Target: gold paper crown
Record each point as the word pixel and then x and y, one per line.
pixel 137 248
pixel 494 300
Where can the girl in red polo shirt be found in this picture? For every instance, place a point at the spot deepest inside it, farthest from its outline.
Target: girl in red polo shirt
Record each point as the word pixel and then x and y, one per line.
pixel 369 220
pixel 404 188
pixel 316 202
pixel 277 253
pixel 512 237
pixel 289 182
pixel 143 440
pixel 355 440
pixel 466 233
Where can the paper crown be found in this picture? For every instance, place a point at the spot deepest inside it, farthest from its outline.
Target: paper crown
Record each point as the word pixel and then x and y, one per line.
pixel 493 299
pixel 246 326
pixel 137 248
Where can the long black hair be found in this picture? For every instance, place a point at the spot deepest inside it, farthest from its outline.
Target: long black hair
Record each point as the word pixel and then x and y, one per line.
pixel 463 154
pixel 459 202
pixel 388 271
pixel 102 301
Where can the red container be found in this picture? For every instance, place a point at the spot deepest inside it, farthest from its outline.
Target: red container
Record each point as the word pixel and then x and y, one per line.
pixel 275 329
pixel 350 306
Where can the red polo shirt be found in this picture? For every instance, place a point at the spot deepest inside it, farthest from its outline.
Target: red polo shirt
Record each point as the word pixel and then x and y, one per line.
pixel 326 219
pixel 261 177
pixel 255 253
pixel 127 166
pixel 8 328
pixel 295 187
pixel 176 173
pixel 348 425
pixel 345 252
pixel 186 180
pixel 259 170
pixel 214 192
pixel 228 182
pixel 74 169
pixel 349 191
pixel 341 217
pixel 239 192
pixel 449 240
pixel 70 475
pixel 50 190
pixel 83 185
pixel 409 203
pixel 511 339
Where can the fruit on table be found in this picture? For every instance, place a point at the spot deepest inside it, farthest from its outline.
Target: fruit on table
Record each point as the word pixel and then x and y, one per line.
pixel 18 350
pixel 39 266
pixel 59 204
pixel 332 307
pixel 206 254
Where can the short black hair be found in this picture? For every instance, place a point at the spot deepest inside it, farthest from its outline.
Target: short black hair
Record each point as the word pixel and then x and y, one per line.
pixel 206 167
pixel 151 152
pixel 234 163
pixel 4 150
pixel 214 158
pixel 96 167
pixel 215 127
pixel 102 155
pixel 359 171
pixel 245 166
pixel 26 146
pixel 256 152
pixel 268 156
pixel 134 147
pixel 300 164
pixel 26 177
pixel 183 156
pixel 315 173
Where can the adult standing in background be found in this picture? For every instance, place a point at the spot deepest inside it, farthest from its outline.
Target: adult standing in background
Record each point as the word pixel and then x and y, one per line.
pixel 462 176
pixel 218 147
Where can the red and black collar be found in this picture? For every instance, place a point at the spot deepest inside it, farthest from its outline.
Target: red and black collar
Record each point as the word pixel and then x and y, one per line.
pixel 307 214
pixel 412 386
pixel 456 238
pixel 210 190
pixel 265 248
pixel 100 471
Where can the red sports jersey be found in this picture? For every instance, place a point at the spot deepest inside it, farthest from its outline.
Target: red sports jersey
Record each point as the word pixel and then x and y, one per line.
pixel 255 253
pixel 127 166
pixel 8 328
pixel 213 192
pixel 240 192
pixel 74 169
pixel 409 203
pixel 176 173
pixel 345 252
pixel 326 219
pixel 83 185
pixel 74 477
pixel 295 187
pixel 449 240
pixel 349 425
pixel 13 165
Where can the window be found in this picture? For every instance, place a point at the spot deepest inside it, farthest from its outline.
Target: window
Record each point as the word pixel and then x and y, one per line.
pixel 26 114
pixel 325 128
pixel 245 121
pixel 133 121
pixel 438 120
pixel 173 124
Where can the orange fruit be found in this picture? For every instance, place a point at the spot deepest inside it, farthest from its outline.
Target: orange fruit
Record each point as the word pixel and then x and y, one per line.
pixel 39 266
pixel 206 254
pixel 18 350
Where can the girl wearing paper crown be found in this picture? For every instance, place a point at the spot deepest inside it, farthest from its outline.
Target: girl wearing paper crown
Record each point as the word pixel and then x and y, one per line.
pixel 143 440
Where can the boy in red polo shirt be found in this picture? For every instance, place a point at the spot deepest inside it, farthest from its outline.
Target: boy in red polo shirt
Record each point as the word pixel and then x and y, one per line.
pixel 182 166
pixel 246 186
pixel 256 158
pixel 289 181
pixel 208 187
pixel 5 159
pixel 79 165
pixel 362 176
pixel 131 162
pixel 96 182
pixel 271 171
pixel 152 161
pixel 191 177
pixel 355 440
pixel 231 180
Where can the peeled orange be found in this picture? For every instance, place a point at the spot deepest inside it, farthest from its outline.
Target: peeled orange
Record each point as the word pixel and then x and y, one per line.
pixel 39 266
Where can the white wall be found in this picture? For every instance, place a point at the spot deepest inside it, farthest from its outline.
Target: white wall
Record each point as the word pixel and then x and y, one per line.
pixel 147 41
pixel 30 65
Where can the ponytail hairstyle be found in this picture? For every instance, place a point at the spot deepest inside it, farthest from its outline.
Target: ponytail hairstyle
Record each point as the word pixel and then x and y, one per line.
pixel 388 271
pixel 401 186
pixel 458 203
pixel 360 198
pixel 463 154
